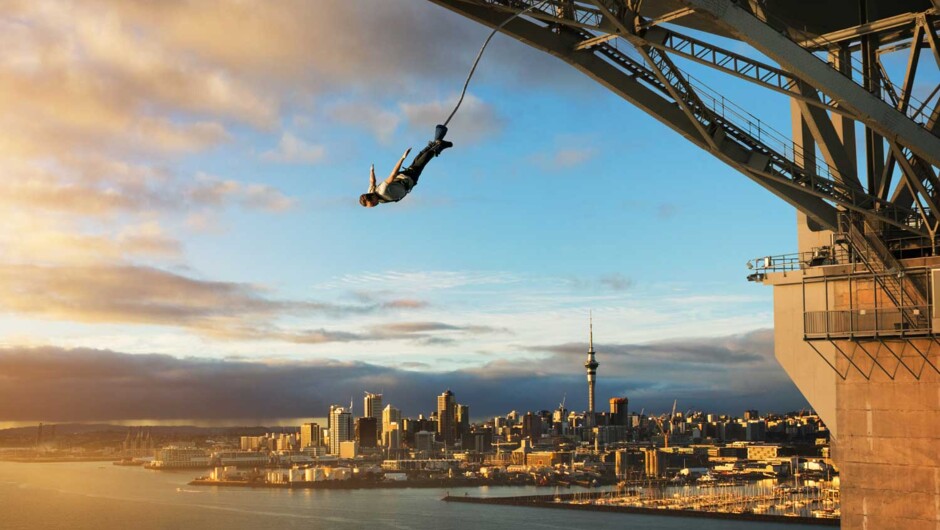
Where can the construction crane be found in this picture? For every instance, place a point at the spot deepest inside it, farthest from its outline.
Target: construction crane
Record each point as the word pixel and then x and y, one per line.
pixel 672 415
pixel 659 423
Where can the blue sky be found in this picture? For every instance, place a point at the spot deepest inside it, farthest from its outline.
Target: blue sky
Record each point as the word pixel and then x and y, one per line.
pixel 186 178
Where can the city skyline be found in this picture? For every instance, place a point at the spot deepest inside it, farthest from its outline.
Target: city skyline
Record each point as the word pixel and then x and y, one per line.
pixel 197 221
pixel 292 391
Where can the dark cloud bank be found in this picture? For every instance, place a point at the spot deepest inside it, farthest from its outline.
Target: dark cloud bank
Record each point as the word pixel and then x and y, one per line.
pixel 53 384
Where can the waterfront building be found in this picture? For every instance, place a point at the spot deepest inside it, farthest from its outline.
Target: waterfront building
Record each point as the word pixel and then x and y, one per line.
pixel 349 449
pixel 240 459
pixel 446 418
pixel 285 442
pixel 480 441
pixel 174 457
pixel 424 442
pixel 547 458
pixel 424 464
pixel 309 435
pixel 755 431
pixel 341 428
pixel 762 452
pixel 366 432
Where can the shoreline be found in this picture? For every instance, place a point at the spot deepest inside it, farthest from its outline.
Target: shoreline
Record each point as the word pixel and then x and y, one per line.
pixel 58 460
pixel 549 501
pixel 349 484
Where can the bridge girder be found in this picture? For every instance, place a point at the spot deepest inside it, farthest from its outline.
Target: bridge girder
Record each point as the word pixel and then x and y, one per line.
pixel 586 36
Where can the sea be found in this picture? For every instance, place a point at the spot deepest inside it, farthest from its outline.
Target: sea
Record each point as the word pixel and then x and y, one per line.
pixel 96 495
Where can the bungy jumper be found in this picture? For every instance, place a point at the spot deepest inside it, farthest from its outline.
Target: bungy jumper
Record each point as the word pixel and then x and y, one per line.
pixel 400 181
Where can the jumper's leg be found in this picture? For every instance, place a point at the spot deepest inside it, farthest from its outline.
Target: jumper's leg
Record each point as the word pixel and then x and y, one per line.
pixel 417 166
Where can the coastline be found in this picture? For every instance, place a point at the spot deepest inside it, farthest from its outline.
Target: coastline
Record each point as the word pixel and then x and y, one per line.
pixel 549 501
pixel 346 484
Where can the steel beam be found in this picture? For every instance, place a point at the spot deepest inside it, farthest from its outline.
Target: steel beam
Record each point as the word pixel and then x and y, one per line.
pixel 807 199
pixel 739 145
pixel 874 112
pixel 827 139
pixel 668 17
pixel 826 40
pixel 600 16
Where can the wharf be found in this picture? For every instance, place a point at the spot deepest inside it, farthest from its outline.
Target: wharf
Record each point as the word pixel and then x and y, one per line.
pixel 351 484
pixel 563 502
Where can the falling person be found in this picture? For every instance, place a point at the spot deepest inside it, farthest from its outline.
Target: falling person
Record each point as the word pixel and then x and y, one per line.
pixel 401 181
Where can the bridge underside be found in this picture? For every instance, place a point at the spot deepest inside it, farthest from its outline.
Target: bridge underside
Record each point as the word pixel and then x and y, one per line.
pixel 855 322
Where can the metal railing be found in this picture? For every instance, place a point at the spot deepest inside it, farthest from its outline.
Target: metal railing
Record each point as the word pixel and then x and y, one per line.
pixel 909 320
pixel 865 308
pixel 819 256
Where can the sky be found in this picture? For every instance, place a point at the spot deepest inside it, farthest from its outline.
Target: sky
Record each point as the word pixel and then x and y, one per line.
pixel 182 238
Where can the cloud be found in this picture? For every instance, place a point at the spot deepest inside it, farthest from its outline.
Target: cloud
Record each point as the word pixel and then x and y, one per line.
pixel 293 150
pixel 148 239
pixel 421 281
pixel 53 384
pixel 567 154
pixel 693 370
pixel 667 210
pixel 406 303
pixel 474 121
pixel 567 158
pixel 416 327
pixel 753 347
pixel 140 295
pixel 616 282
pixel 212 190
pixel 610 282
pixel 378 121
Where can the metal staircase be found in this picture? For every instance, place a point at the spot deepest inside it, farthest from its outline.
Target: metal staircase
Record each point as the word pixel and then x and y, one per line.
pixel 772 154
pixel 903 291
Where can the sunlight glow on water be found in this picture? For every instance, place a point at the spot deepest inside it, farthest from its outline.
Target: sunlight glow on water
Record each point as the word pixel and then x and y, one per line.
pixel 100 496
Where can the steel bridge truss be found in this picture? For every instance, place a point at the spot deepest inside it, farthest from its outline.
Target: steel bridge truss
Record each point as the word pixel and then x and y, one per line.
pixel 833 80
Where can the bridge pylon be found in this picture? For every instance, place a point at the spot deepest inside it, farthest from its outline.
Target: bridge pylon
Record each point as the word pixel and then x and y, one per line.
pixel 856 325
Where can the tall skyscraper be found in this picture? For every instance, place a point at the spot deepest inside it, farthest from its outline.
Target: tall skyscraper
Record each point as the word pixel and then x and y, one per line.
pixel 309 435
pixel 372 408
pixel 341 428
pixel 392 436
pixel 531 426
pixel 463 420
pixel 618 410
pixel 366 431
pixel 591 366
pixel 447 418
pixel 389 415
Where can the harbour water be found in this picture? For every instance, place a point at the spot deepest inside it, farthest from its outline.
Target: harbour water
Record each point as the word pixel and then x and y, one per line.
pixel 93 495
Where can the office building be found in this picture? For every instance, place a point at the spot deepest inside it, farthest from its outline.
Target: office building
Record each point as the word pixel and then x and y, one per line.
pixel 447 418
pixel 341 428
pixel 310 435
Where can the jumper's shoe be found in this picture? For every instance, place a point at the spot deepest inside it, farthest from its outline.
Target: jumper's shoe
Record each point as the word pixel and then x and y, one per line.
pixel 439 132
pixel 440 145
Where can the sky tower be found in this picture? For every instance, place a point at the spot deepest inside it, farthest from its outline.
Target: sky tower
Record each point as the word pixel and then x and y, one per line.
pixel 591 366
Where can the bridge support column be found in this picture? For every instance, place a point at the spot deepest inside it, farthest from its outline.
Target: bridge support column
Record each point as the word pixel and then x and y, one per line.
pixel 881 400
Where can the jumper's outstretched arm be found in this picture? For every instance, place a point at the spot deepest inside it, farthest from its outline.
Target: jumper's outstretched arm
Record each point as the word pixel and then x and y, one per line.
pixel 372 178
pixel 395 171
